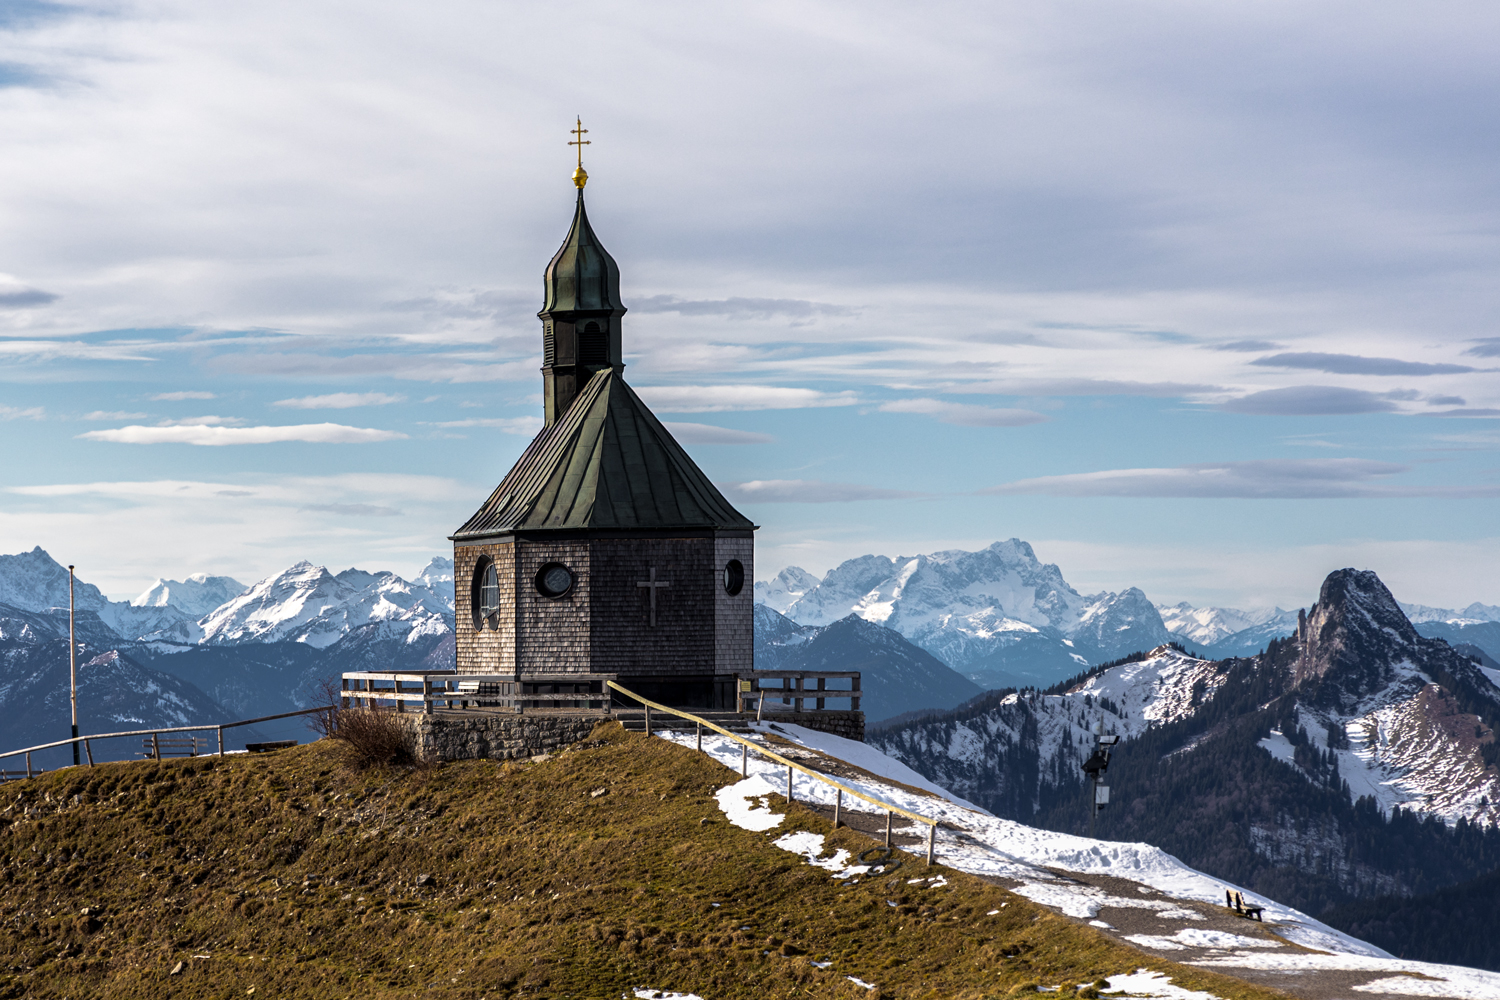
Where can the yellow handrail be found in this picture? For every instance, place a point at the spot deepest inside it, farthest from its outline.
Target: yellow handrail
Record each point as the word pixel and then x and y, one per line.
pixel 932 824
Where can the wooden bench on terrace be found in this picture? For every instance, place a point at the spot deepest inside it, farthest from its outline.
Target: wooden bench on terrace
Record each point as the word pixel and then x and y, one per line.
pixel 158 747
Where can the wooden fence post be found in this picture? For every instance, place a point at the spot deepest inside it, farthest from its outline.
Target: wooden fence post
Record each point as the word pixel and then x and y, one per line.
pixel 789 782
pixel 700 737
pixel 744 761
pixel 90 751
pixel 221 741
pixel 888 828
pixel 28 765
pixel 838 805
pixel 931 841
pixel 155 747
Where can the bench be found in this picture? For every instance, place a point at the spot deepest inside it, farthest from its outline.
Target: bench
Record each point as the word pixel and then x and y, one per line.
pixel 158 747
pixel 17 775
pixel 1236 902
pixel 269 746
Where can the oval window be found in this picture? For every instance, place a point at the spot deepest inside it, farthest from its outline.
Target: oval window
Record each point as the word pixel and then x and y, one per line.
pixel 554 580
pixel 489 592
pixel 484 592
pixel 734 576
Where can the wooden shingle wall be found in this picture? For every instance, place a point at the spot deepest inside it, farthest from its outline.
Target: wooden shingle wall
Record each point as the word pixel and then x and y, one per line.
pixel 552 635
pixel 682 641
pixel 490 649
pixel 734 615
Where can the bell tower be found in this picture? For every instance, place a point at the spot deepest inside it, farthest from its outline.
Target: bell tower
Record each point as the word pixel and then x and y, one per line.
pixel 581 311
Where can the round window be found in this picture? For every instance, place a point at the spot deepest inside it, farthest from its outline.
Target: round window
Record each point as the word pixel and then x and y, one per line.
pixel 734 576
pixel 554 580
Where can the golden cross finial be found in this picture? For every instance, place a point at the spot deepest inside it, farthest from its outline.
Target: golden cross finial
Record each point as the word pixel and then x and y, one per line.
pixel 580 176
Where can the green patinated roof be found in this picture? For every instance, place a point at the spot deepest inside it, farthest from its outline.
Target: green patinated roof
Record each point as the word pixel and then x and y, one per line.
pixel 608 463
pixel 581 276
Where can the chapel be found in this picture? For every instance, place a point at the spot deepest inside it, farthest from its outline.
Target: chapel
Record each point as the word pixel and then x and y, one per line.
pixel 605 549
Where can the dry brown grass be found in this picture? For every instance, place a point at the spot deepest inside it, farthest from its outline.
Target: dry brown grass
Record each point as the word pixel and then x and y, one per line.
pixel 371 737
pixel 302 878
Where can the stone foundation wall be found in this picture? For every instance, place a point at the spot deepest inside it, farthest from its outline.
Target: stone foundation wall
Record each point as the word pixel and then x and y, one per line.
pixel 849 725
pixel 486 736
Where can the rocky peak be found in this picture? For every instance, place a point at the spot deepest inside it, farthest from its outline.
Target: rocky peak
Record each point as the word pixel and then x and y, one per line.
pixel 1356 641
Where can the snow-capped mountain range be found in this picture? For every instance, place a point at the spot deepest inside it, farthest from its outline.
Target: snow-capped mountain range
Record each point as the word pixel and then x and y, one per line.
pixel 1297 760
pixel 1003 618
pixel 303 603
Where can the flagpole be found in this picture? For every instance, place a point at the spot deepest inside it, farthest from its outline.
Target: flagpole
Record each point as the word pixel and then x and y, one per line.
pixel 72 666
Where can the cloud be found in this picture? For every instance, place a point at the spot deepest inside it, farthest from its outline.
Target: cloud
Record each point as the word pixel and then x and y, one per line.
pixel 721 398
pixel 27 298
pixel 1083 387
pixel 965 414
pixel 351 509
pixel 738 308
pixel 1355 364
pixel 208 420
pixel 1247 345
pixel 709 434
pixel 1446 401
pixel 415 368
pixel 208 435
pixel 1485 347
pixel 808 491
pixel 510 425
pixel 178 397
pixel 17 413
pixel 1471 412
pixel 1299 479
pixel 340 401
pixel 112 415
pixel 1309 400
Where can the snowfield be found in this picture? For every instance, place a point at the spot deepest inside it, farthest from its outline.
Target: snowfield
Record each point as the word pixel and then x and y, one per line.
pixel 972 840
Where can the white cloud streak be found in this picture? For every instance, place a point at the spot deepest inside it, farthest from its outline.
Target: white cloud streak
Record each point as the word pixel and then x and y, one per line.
pixel 527 426
pixel 965 414
pixel 724 398
pixel 808 491
pixel 22 412
pixel 709 434
pixel 340 401
pixel 1300 479
pixel 207 435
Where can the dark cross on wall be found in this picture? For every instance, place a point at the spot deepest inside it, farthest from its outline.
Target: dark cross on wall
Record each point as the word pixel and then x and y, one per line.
pixel 652 585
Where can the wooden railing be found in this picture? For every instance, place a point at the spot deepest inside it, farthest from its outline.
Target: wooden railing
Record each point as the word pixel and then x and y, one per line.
pixel 88 741
pixel 747 745
pixel 793 692
pixel 426 688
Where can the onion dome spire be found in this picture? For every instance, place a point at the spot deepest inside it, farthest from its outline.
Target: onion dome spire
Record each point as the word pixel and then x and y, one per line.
pixel 581 309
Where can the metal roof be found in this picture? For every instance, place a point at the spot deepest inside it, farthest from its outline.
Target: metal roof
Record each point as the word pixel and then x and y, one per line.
pixel 608 463
pixel 582 276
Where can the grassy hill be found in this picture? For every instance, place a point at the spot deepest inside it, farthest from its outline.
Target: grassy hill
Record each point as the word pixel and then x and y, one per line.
pixel 294 876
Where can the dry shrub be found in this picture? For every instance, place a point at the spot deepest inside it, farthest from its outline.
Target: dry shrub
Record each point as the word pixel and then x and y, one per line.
pixel 372 737
pixel 326 722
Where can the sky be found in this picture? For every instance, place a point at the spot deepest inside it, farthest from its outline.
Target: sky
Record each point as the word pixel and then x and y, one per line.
pixel 1194 297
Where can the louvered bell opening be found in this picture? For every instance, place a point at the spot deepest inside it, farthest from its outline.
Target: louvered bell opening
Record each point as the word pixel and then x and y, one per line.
pixel 593 345
pixel 549 347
